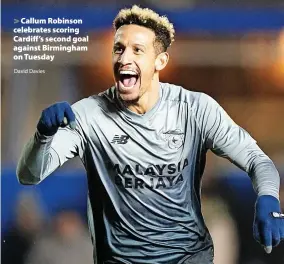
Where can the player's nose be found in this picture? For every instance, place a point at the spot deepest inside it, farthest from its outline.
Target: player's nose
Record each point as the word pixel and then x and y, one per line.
pixel 126 57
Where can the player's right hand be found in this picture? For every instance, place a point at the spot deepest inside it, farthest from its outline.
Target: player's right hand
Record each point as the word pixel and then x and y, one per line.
pixel 55 116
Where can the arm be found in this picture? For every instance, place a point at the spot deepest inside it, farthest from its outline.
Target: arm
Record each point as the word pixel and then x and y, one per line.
pixel 45 153
pixel 226 139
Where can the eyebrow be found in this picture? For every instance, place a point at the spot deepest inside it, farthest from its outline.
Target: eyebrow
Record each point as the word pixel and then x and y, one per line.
pixel 118 44
pixel 135 44
pixel 140 45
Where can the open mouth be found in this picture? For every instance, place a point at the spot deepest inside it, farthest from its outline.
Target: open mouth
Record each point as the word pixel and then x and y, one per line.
pixel 127 79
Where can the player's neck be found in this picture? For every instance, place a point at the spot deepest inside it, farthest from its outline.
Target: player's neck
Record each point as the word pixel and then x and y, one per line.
pixel 147 100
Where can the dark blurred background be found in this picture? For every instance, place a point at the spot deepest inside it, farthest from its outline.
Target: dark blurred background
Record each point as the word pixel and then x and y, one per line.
pixel 231 50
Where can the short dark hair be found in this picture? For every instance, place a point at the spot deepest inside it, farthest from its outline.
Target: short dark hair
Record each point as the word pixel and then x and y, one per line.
pixel 160 25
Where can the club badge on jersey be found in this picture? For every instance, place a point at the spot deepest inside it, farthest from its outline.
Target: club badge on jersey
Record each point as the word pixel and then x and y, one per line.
pixel 175 138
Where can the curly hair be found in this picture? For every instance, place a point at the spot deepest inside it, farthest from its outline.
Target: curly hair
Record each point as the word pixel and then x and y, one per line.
pixel 160 25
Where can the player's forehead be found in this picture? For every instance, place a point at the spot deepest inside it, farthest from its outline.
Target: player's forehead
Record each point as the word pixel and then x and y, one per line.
pixel 134 34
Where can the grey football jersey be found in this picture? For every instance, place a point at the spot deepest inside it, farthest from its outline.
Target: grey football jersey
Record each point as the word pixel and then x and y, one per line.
pixel 144 171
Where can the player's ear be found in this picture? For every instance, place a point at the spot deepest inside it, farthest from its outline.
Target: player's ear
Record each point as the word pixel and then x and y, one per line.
pixel 161 61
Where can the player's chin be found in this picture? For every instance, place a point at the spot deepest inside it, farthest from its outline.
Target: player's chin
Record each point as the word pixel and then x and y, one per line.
pixel 128 93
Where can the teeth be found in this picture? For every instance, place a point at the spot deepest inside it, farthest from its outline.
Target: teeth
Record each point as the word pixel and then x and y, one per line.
pixel 128 72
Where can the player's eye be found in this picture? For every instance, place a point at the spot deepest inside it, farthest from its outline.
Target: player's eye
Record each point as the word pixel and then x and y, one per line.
pixel 138 50
pixel 117 50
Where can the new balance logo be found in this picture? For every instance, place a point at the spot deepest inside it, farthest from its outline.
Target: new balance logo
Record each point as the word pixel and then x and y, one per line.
pixel 120 139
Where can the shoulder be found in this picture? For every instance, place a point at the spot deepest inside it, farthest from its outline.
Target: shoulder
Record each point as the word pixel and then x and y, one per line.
pixel 172 92
pixel 94 102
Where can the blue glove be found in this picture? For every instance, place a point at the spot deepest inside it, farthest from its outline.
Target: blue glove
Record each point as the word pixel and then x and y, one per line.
pixel 268 226
pixel 55 116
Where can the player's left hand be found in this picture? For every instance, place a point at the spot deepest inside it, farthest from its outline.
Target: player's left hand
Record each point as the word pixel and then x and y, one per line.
pixel 268 226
